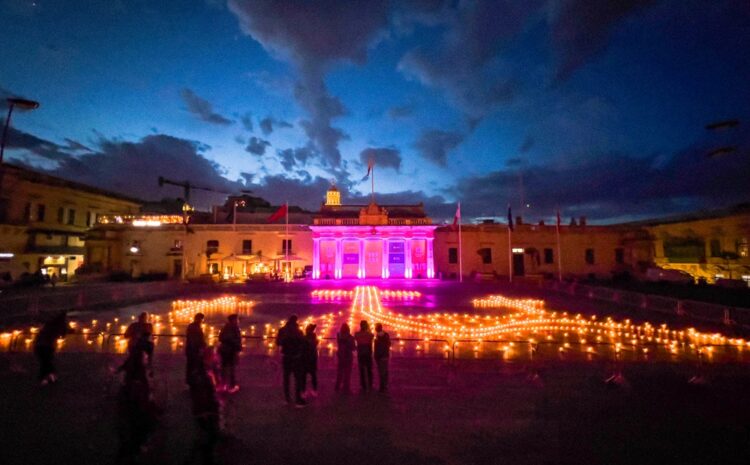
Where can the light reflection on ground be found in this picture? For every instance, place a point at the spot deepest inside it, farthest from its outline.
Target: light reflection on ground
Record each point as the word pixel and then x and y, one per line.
pixel 496 327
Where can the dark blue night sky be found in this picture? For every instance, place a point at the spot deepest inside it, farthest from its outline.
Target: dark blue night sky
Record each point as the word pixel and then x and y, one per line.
pixel 595 107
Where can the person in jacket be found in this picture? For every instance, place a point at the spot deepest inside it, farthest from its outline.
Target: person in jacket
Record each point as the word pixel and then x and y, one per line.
pixel 45 345
pixel 135 332
pixel 290 339
pixel 206 407
pixel 344 353
pixel 230 346
pixel 382 355
pixel 364 338
pixel 195 344
pixel 310 361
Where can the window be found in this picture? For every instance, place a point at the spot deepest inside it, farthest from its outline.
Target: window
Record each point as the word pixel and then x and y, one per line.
pixel 27 213
pixel 88 219
pixel 549 256
pixel 286 246
pixel 61 215
pixel 247 246
pixel 742 247
pixel 619 256
pixel 212 246
pixel 40 211
pixel 486 254
pixel 590 256
pixel 715 248
pixel 452 255
pixel 71 216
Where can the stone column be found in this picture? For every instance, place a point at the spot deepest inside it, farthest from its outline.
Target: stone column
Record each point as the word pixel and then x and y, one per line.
pixel 339 258
pixel 408 272
pixel 361 269
pixel 316 258
pixel 430 259
pixel 385 258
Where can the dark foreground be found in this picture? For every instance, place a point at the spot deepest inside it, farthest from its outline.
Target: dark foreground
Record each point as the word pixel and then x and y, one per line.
pixel 480 412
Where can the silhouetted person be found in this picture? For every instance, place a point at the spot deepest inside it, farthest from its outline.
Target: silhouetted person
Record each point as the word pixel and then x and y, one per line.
pixel 346 347
pixel 290 339
pixel 310 360
pixel 45 345
pixel 195 343
pixel 206 406
pixel 382 354
pixel 135 333
pixel 230 346
pixel 136 409
pixel 53 279
pixel 364 339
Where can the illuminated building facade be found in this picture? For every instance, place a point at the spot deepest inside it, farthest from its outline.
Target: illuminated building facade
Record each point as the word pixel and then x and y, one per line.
pixel 44 220
pixel 370 241
pixel 709 246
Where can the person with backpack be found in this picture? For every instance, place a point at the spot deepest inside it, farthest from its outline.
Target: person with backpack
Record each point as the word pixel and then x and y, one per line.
pixel 382 355
pixel 310 361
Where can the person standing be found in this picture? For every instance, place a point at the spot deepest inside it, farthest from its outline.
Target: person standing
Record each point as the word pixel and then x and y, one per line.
pixel 290 339
pixel 346 347
pixel 310 361
pixel 382 355
pixel 139 332
pixel 195 344
pixel 45 345
pixel 230 346
pixel 364 339
pixel 207 408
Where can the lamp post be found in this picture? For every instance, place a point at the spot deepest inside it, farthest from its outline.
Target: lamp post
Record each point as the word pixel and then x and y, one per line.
pixel 12 103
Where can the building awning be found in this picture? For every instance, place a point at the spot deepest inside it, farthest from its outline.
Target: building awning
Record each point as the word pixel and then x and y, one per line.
pixel 252 258
pixel 289 258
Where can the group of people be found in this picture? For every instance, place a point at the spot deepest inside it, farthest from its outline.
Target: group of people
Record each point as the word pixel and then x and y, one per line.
pixel 299 357
pixel 211 371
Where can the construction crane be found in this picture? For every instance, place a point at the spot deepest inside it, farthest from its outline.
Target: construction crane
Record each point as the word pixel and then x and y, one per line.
pixel 187 187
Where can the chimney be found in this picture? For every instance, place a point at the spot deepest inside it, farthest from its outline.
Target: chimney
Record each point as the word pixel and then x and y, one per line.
pixel 582 221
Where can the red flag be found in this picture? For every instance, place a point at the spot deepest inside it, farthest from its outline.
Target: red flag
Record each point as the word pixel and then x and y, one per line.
pixel 457 218
pixel 280 213
pixel 370 164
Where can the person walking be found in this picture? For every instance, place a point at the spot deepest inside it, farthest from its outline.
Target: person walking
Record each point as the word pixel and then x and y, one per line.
pixel 310 361
pixel 45 345
pixel 206 407
pixel 346 347
pixel 382 355
pixel 290 339
pixel 135 332
pixel 364 339
pixel 195 344
pixel 230 346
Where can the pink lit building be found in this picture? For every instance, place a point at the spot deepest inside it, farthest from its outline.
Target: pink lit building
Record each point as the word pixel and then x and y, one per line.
pixel 371 241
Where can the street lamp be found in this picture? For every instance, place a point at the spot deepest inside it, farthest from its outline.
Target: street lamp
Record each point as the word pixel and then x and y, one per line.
pixel 12 103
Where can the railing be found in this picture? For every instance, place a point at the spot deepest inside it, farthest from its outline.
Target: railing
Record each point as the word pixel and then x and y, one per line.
pixel 688 309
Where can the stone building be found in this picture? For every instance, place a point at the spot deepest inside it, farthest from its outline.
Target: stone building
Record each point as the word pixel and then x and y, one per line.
pixel 43 221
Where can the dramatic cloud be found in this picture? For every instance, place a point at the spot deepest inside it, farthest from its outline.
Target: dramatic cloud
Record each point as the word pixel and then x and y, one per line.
pixel 144 161
pixel 257 146
pixel 434 145
pixel 386 157
pixel 202 108
pixel 19 140
pixel 616 186
pixel 289 158
pixel 581 29
pixel 268 124
pixel 307 193
pixel 465 62
pixel 526 145
pixel 247 121
pixel 313 36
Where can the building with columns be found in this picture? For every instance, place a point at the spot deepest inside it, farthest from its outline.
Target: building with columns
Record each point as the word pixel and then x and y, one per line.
pixel 372 241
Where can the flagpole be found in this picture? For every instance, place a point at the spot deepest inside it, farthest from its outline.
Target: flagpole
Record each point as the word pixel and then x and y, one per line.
pixel 559 250
pixel 460 248
pixel 510 256
pixel 372 180
pixel 288 243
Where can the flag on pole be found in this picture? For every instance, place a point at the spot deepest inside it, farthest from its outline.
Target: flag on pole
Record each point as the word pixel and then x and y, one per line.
pixel 457 217
pixel 370 164
pixel 510 219
pixel 280 213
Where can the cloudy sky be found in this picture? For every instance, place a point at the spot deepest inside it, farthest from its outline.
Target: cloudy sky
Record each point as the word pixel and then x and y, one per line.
pixel 595 107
